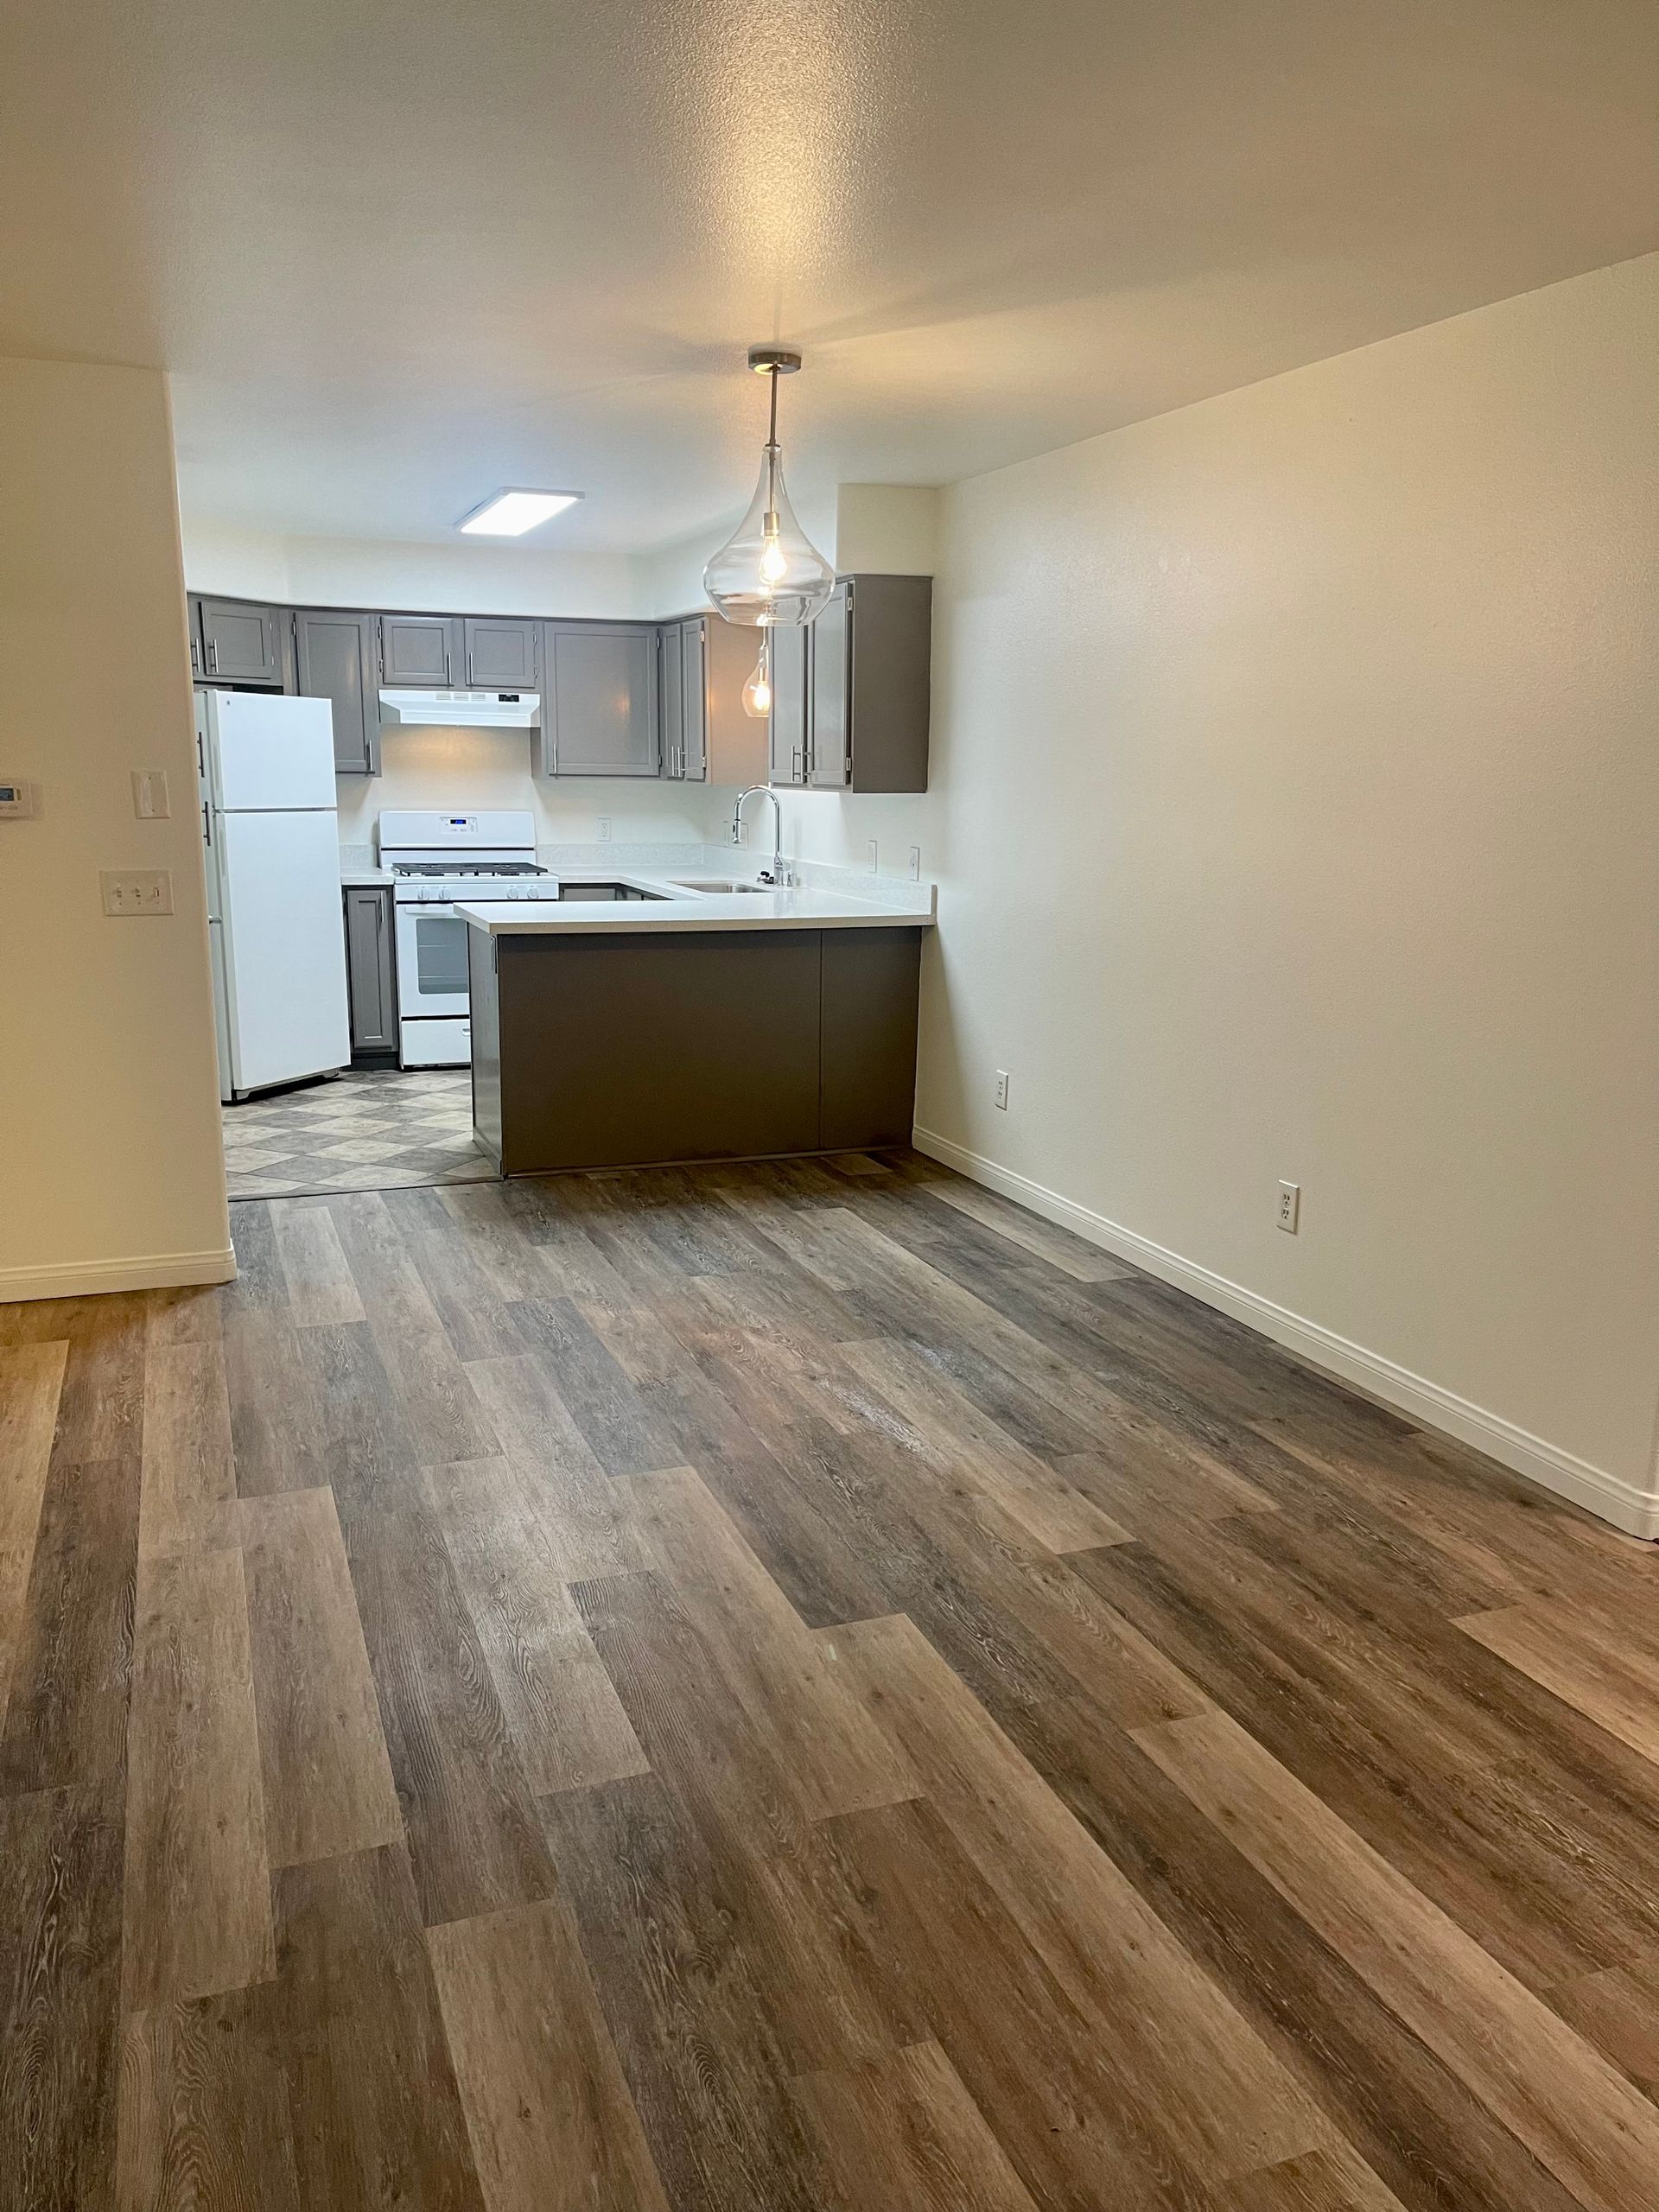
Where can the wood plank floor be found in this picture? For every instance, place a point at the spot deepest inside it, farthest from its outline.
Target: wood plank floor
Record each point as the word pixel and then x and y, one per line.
pixel 792 1689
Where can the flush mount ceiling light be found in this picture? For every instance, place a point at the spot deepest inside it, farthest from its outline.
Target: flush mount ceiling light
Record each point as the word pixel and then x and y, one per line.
pixel 512 513
pixel 769 572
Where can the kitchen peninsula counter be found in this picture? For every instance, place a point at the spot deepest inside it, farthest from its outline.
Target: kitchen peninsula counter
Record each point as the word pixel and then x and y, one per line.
pixel 698 1026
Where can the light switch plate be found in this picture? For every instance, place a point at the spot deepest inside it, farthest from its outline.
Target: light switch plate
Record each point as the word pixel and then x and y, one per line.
pixel 151 802
pixel 137 891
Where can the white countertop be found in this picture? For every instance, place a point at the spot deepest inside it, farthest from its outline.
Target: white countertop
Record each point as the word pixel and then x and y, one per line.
pixel 686 910
pixel 362 879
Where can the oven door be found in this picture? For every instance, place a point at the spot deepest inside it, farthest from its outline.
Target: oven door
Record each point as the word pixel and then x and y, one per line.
pixel 431 961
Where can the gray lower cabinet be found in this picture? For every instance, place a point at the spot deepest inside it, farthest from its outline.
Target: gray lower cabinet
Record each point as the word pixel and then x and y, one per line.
pixel 335 658
pixel 371 968
pixel 501 654
pixel 238 642
pixel 851 693
pixel 599 706
pixel 421 652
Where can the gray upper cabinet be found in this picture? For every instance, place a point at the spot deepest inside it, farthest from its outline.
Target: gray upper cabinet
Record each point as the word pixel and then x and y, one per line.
pixel 238 642
pixel 788 707
pixel 421 652
pixel 335 658
pixel 851 701
pixel 599 710
pixel 829 695
pixel 707 737
pixel 694 700
pixel 671 697
pixel 501 654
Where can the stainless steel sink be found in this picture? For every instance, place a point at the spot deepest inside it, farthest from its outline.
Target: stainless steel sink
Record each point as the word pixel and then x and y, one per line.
pixel 722 884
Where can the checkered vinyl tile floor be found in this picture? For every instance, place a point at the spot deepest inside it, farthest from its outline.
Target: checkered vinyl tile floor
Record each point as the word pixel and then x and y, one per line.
pixel 375 1130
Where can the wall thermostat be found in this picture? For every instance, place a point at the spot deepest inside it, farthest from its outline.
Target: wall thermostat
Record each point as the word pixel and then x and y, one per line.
pixel 19 802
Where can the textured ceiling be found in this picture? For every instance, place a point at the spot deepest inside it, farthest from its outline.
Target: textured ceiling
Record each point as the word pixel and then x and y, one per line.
pixel 399 254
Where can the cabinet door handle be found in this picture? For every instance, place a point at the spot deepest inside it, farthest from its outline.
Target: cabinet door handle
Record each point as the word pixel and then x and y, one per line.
pixel 196 658
pixel 213 656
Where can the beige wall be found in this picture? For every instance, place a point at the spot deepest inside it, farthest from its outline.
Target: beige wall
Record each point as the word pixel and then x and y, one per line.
pixel 468 576
pixel 1296 802
pixel 108 1090
pixel 480 768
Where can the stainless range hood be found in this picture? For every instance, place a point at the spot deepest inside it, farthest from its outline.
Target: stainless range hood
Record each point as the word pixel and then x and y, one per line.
pixel 462 709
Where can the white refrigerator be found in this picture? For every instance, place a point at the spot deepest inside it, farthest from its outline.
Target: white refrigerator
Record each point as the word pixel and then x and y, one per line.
pixel 272 850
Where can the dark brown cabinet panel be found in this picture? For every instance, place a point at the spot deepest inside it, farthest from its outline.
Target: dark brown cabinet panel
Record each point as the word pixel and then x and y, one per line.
pixel 501 654
pixel 335 658
pixel 610 1051
pixel 871 989
pixel 599 713
pixel 421 651
pixel 238 642
pixel 370 970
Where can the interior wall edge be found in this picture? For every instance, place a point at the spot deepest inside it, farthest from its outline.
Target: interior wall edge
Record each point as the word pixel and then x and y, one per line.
pixel 1596 1488
pixel 90 1278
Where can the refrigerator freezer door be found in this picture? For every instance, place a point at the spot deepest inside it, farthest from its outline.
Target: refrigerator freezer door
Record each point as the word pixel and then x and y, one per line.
pixel 284 946
pixel 270 751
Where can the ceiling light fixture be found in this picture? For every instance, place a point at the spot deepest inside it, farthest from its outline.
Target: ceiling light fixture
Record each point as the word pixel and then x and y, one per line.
pixel 512 513
pixel 769 571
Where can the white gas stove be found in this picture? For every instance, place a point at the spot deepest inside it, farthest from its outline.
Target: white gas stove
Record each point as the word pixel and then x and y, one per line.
pixel 434 860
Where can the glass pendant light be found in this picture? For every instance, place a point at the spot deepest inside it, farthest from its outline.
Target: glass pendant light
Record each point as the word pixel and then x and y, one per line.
pixel 757 692
pixel 769 571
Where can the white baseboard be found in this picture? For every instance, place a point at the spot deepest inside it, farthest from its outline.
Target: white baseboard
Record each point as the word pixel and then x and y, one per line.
pixel 159 1271
pixel 1609 1496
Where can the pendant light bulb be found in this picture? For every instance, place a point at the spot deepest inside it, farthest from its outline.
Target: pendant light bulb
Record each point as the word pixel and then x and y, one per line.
pixel 757 692
pixel 774 562
pixel 769 571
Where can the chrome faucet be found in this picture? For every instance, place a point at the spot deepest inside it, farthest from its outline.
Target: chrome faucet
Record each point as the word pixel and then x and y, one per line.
pixel 779 872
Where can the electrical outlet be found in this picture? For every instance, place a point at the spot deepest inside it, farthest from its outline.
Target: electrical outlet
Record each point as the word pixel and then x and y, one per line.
pixel 1002 1089
pixel 604 829
pixel 1290 1207
pixel 150 800
pixel 915 863
pixel 872 859
pixel 137 891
